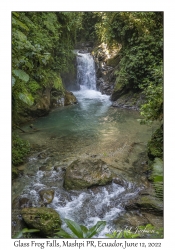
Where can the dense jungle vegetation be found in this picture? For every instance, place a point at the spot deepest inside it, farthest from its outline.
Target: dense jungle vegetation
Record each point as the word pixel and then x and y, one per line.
pixel 42 45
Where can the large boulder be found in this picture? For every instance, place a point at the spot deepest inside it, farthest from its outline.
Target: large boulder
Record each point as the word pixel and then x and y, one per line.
pixel 45 219
pixel 146 203
pixel 87 173
pixel 69 99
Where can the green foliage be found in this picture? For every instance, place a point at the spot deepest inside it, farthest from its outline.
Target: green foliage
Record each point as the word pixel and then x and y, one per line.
pixel 141 36
pixel 21 75
pixel 23 233
pixel 88 30
pixel 139 232
pixel 80 231
pixel 151 231
pixel 126 234
pixel 153 108
pixel 27 98
pixel 34 87
pixel 156 176
pixel 20 149
pixel 155 145
pixel 42 44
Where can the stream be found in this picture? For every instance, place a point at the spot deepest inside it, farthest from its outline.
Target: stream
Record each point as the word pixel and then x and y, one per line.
pixel 91 128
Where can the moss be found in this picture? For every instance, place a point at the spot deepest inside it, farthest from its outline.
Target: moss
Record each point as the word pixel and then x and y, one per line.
pixel 155 145
pixel 118 87
pixel 44 219
pixel 20 149
pixel 15 172
pixel 114 61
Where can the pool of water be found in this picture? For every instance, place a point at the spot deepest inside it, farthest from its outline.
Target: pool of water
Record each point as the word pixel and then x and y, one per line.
pixel 91 128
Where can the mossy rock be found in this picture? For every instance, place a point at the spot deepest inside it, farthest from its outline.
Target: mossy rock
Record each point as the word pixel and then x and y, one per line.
pixel 47 195
pixel 151 204
pixel 69 99
pixel 45 219
pixel 146 203
pixel 82 174
pixel 155 145
pixel 114 61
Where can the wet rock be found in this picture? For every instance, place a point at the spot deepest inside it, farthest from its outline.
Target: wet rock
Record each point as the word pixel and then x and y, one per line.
pixel 154 220
pixel 61 167
pixel 42 155
pixel 17 222
pixel 87 173
pixel 83 51
pixel 42 218
pixel 146 203
pixel 120 181
pixel 47 167
pixel 106 88
pixel 132 220
pixel 21 202
pixel 46 195
pixel 125 98
pixel 22 167
pixel 69 99
pixel 42 106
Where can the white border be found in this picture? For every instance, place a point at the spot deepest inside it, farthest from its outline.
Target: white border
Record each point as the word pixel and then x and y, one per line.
pixel 5 97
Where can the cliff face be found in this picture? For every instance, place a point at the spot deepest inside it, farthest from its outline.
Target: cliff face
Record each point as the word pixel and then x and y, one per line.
pixel 107 66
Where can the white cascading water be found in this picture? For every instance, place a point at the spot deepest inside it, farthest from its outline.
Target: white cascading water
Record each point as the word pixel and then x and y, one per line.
pixel 86 76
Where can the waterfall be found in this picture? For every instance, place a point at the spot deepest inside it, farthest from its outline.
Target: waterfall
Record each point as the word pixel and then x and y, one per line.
pixel 86 77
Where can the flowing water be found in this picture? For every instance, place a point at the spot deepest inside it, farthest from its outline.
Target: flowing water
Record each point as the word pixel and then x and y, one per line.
pixel 91 128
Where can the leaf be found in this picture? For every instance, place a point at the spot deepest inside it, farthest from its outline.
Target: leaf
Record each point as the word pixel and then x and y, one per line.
pixel 21 74
pixel 96 229
pixel 16 14
pixel 115 235
pixel 129 235
pixel 18 235
pixel 20 35
pixel 64 234
pixel 158 178
pixel 27 98
pixel 84 230
pixel 26 230
pixel 75 228
pixel 19 23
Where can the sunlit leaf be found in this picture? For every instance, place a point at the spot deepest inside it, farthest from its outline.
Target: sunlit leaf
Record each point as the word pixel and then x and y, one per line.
pixel 96 229
pixel 27 98
pixel 75 228
pixel 21 74
pixel 64 234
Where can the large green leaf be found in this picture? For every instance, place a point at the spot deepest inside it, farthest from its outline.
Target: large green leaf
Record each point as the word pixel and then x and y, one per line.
pixel 19 23
pixel 21 74
pixel 64 234
pixel 96 229
pixel 27 98
pixel 26 230
pixel 75 228
pixel 84 230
